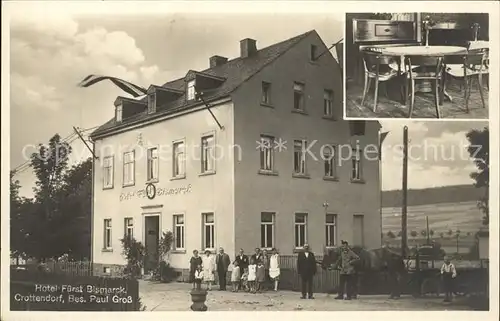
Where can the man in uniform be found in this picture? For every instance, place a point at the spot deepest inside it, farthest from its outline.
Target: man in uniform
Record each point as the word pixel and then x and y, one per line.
pixel 345 264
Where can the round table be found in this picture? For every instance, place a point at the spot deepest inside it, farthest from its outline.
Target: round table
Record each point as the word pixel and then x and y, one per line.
pixel 424 51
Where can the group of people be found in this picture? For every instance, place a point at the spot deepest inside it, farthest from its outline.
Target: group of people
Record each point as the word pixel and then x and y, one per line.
pixel 247 274
pixel 261 269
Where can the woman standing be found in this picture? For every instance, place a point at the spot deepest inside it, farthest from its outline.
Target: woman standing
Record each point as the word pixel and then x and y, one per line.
pixel 274 268
pixel 194 262
pixel 209 269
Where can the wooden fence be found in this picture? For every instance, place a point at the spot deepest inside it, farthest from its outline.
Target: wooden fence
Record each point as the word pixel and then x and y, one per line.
pixel 325 281
pixel 82 268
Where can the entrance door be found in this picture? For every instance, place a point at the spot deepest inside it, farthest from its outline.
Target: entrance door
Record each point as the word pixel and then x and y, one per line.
pixel 358 230
pixel 152 230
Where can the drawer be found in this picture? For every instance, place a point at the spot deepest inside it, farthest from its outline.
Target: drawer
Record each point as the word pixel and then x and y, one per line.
pixel 386 30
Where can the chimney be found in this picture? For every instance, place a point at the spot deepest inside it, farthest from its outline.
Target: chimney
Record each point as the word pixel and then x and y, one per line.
pixel 217 61
pixel 248 47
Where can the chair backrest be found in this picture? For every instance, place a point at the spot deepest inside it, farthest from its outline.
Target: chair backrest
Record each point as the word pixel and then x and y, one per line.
pixel 477 59
pixel 373 60
pixel 434 63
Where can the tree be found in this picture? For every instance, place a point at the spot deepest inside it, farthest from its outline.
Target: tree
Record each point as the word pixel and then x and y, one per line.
pixel 391 235
pixel 450 232
pixel 423 233
pixel 57 220
pixel 400 234
pixel 479 152
pixel 413 233
pixel 441 235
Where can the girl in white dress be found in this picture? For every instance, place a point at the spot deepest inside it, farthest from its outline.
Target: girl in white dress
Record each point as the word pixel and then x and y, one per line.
pixel 235 276
pixel 274 268
pixel 252 275
pixel 209 269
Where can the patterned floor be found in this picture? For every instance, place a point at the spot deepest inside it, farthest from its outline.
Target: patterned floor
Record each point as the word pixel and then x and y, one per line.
pixel 424 104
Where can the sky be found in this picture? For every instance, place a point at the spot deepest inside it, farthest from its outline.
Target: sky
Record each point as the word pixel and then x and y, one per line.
pixel 49 56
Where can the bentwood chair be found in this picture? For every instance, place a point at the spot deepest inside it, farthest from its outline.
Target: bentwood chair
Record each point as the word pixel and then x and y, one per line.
pixel 424 68
pixel 469 66
pixel 380 68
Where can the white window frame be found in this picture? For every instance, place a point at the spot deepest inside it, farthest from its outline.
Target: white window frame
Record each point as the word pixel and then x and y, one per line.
pixel 208 153
pixel 108 231
pixel 131 163
pixel 211 225
pixel 191 90
pixel 151 103
pixel 328 230
pixel 119 113
pixel 178 166
pixel 266 93
pixel 266 153
pixel 331 160
pixel 302 157
pixel 105 168
pixel 181 234
pixel 356 165
pixel 300 89
pixel 266 226
pixel 153 165
pixel 328 103
pixel 128 224
pixel 296 227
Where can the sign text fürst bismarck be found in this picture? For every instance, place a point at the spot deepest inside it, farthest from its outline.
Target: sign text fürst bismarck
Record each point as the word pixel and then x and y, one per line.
pixel 142 193
pixel 79 294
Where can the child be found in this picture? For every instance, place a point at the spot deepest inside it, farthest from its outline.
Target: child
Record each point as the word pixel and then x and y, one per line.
pixel 449 273
pixel 260 277
pixel 252 275
pixel 235 276
pixel 244 280
pixel 274 268
pixel 193 264
pixel 198 277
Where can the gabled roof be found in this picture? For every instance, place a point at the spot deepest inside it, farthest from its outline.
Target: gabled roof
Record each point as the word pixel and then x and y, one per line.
pixel 235 72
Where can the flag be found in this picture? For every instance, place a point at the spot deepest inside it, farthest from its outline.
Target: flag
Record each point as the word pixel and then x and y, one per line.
pixel 381 140
pixel 339 48
pixel 126 86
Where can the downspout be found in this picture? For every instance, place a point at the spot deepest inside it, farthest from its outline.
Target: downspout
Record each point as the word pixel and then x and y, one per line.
pixel 92 208
pixel 380 185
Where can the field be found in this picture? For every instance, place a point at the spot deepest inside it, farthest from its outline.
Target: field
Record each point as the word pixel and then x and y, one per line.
pixel 464 217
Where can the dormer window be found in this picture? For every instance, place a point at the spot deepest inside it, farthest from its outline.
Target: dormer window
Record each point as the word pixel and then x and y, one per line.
pixel 119 113
pixel 151 103
pixel 191 91
pixel 313 53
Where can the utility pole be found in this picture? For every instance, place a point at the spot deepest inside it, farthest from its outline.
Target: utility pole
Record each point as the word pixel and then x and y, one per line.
pixel 404 214
pixel 428 236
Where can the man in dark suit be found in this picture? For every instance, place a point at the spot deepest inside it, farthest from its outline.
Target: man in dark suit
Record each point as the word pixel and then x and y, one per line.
pixel 306 265
pixel 222 262
pixel 257 257
pixel 242 260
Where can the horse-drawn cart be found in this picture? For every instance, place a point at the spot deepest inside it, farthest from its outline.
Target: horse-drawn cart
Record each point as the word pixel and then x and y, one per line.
pixel 424 269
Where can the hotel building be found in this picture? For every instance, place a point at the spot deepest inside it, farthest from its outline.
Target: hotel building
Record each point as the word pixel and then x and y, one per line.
pixel 252 152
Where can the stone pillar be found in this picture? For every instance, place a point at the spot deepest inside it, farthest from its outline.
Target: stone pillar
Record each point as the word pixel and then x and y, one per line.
pixel 198 296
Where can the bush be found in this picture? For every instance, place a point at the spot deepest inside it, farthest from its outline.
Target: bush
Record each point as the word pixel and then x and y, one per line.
pixel 134 253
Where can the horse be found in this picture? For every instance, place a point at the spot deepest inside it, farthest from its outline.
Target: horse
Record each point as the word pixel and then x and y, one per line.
pixel 370 261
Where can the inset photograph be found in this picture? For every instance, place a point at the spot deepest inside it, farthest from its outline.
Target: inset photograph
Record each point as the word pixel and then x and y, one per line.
pixel 417 65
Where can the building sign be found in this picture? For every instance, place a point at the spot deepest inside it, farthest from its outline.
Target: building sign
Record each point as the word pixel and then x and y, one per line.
pixel 51 292
pixel 151 191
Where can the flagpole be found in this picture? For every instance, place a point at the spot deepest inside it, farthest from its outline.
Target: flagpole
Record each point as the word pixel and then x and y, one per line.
pixel 404 214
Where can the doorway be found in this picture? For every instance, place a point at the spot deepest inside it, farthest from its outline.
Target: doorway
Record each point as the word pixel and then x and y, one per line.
pixel 151 239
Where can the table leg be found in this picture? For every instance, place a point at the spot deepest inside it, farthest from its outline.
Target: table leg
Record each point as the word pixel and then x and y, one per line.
pixel 445 93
